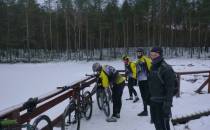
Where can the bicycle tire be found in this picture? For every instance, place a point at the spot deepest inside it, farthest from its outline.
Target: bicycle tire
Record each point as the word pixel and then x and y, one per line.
pixel 106 106
pixel 99 98
pixel 43 118
pixel 87 102
pixel 70 118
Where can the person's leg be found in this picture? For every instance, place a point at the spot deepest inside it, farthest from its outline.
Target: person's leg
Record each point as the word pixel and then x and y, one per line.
pixel 114 99
pixel 135 94
pixel 141 89
pixel 158 119
pixel 152 111
pixel 119 98
pixel 132 86
pixel 143 95
pixel 166 124
pixel 130 83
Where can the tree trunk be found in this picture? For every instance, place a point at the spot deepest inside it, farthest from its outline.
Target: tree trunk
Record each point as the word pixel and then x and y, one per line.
pixel 148 33
pixel 27 30
pixel 87 44
pixel 67 36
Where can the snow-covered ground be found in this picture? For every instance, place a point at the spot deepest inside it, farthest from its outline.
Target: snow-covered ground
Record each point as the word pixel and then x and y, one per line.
pixel 18 82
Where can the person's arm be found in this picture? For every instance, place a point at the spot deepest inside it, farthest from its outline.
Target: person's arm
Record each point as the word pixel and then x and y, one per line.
pixel 169 80
pixel 149 63
pixel 133 69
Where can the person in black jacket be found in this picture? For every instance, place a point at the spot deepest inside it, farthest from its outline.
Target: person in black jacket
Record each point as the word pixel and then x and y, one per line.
pixel 161 85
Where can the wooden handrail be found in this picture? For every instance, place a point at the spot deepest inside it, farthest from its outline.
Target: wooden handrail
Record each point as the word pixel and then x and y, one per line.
pixel 9 112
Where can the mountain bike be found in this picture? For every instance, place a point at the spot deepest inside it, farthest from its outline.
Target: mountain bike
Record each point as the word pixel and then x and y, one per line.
pixel 80 105
pixel 103 96
pixel 103 100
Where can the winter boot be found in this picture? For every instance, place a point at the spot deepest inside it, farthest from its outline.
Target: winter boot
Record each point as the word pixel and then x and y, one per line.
pixel 111 119
pixel 130 98
pixel 117 115
pixel 143 113
pixel 136 99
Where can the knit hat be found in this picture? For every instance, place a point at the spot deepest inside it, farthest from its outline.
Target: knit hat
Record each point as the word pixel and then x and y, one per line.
pixel 140 50
pixel 96 67
pixel 157 50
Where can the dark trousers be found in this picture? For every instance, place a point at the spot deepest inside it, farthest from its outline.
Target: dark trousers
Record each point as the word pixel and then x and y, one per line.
pixel 160 121
pixel 117 92
pixel 144 90
pixel 131 84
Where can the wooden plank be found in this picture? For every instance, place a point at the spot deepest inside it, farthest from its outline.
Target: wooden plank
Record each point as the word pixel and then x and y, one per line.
pixel 202 86
pixel 193 72
pixel 179 84
pixel 185 119
pixel 209 84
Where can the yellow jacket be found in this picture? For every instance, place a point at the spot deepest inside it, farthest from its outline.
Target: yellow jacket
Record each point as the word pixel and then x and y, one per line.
pixel 105 79
pixel 132 68
pixel 147 60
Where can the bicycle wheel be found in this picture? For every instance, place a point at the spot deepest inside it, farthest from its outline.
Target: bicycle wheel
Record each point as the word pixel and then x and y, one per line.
pixel 99 98
pixel 106 107
pixel 41 122
pixel 70 118
pixel 87 105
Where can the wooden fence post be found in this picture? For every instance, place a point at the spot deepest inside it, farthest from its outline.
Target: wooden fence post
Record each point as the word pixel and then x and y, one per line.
pixel 179 82
pixel 209 84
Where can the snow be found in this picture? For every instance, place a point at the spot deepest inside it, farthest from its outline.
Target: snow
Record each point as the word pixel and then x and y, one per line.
pixel 21 81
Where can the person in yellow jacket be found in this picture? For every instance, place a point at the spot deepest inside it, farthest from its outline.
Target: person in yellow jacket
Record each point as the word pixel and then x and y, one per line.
pixel 110 77
pixel 143 66
pixel 130 73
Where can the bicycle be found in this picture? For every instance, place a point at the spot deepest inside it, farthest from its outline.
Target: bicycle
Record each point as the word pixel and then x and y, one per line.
pixel 12 124
pixel 103 98
pixel 79 105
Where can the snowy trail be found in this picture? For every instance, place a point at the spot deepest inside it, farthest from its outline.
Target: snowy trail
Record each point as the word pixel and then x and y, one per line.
pixel 18 82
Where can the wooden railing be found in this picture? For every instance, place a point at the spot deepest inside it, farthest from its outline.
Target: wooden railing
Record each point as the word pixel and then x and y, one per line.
pixel 59 95
pixel 47 102
pixel 207 81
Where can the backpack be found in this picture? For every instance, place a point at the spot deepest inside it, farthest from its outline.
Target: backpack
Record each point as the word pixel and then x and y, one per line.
pixel 176 81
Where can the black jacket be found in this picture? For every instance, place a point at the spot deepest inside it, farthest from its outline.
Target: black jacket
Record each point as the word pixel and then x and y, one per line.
pixel 160 92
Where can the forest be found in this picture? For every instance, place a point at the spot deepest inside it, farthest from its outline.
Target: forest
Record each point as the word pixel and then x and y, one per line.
pixel 73 28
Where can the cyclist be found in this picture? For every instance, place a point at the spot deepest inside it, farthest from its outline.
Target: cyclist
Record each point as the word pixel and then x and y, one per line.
pixel 143 66
pixel 130 73
pixel 110 77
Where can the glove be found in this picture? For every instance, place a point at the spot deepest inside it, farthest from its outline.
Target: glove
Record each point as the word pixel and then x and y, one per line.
pixel 166 109
pixel 126 78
